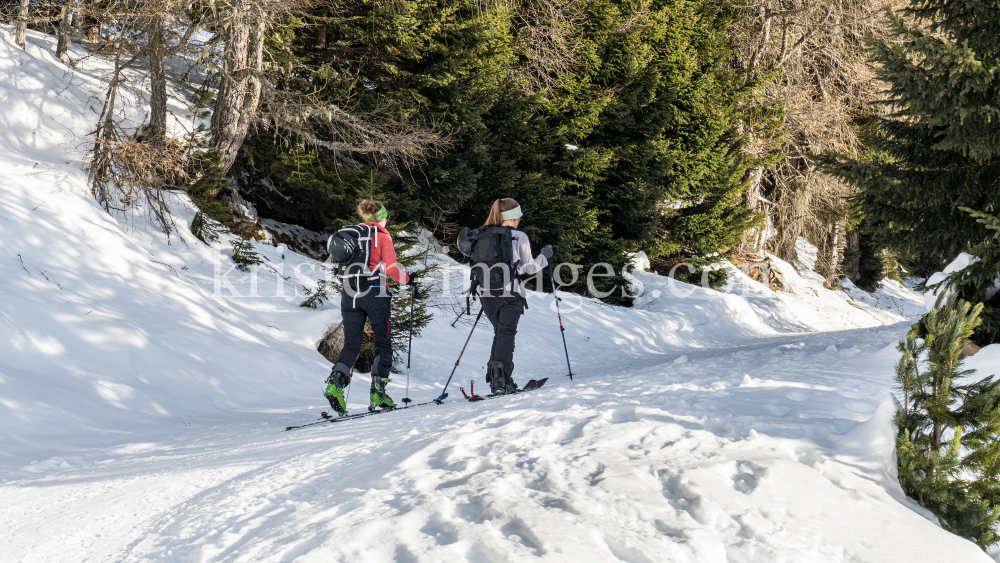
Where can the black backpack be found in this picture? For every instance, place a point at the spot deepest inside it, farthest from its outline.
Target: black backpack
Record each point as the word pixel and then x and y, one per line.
pixel 350 250
pixel 491 250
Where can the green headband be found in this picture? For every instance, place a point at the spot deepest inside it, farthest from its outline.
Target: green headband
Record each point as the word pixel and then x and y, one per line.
pixel 512 214
pixel 379 215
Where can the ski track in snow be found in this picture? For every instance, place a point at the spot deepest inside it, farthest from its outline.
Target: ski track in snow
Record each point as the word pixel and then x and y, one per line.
pixel 142 416
pixel 738 456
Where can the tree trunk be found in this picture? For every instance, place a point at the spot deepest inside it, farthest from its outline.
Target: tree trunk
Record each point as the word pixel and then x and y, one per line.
pixel 321 37
pixel 77 22
pixel 239 84
pixel 752 244
pixel 157 84
pixel 786 248
pixel 21 28
pixel 758 54
pixel 65 30
pixel 937 433
pixel 829 254
pixel 852 269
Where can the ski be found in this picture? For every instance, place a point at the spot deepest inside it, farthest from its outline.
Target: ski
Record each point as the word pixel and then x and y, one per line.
pixel 472 397
pixel 326 418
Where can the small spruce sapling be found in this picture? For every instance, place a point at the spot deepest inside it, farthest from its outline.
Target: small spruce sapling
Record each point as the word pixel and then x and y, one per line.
pixel 205 228
pixel 316 297
pixel 244 255
pixel 949 424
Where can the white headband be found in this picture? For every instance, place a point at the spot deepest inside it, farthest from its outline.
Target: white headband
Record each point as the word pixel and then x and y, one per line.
pixel 512 214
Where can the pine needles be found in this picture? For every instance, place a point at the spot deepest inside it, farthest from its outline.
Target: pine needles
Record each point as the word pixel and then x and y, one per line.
pixel 316 297
pixel 948 447
pixel 244 255
pixel 205 229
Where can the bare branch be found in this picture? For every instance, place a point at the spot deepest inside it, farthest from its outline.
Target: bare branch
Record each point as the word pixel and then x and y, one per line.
pixel 824 82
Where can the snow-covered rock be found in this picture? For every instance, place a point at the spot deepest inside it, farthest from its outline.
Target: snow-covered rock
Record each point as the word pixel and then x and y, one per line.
pixel 640 261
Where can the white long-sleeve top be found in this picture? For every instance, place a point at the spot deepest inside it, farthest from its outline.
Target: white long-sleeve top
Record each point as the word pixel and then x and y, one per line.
pixel 522 257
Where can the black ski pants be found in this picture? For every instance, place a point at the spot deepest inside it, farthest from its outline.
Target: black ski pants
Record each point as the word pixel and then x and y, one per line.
pixel 376 309
pixel 504 313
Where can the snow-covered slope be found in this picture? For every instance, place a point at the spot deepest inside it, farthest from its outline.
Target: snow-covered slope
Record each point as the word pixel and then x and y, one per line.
pixel 141 410
pixel 109 326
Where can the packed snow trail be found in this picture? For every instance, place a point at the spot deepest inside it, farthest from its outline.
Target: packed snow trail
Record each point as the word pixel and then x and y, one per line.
pixel 755 453
pixel 143 402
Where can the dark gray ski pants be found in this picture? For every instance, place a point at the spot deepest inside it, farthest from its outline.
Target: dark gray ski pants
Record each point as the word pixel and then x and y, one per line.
pixel 504 313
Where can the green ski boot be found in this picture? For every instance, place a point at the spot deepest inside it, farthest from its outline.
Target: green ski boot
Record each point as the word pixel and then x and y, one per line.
pixel 334 393
pixel 379 399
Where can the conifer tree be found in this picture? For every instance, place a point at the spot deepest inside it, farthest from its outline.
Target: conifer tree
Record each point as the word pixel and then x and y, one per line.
pixel 671 158
pixel 981 280
pixel 949 424
pixel 937 148
pixel 642 116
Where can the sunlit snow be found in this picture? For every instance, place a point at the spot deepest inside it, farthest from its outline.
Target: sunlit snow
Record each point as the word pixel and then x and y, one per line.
pixel 142 415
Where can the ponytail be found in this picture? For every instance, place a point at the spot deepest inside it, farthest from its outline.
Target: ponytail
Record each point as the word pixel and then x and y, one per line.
pixel 371 210
pixel 495 218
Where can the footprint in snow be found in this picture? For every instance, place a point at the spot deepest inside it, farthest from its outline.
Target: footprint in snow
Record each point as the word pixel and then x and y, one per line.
pixel 748 476
pixel 778 410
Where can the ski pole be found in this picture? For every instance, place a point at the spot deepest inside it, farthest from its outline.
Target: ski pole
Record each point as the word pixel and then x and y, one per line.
pixel 409 347
pixel 562 330
pixel 444 394
pixel 349 386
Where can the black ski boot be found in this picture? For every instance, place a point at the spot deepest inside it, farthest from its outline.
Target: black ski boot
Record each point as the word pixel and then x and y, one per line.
pixel 500 384
pixel 495 377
